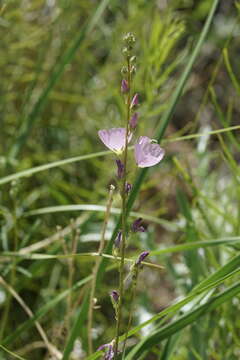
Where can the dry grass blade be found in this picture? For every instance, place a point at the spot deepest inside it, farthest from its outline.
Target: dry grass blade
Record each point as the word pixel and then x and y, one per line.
pixel 51 348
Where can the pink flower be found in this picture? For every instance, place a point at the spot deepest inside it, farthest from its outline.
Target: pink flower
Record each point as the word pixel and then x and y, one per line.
pixel 147 153
pixel 114 139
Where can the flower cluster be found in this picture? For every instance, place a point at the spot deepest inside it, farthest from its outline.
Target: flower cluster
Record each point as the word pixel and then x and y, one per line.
pixel 147 153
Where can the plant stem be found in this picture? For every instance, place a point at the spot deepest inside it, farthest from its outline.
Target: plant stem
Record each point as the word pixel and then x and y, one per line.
pixel 71 270
pixel 124 216
pixel 95 270
pixel 134 287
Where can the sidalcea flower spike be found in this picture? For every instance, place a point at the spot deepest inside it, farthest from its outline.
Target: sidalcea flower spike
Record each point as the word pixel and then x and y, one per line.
pixel 114 139
pixel 147 153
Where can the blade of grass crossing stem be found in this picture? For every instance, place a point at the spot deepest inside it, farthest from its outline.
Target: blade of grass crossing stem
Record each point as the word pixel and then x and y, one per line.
pixel 172 309
pixel 185 320
pixel 226 272
pixel 58 70
pixel 78 324
pixel 163 125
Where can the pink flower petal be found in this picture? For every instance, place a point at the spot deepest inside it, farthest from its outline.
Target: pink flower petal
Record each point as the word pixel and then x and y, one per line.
pixel 147 153
pixel 114 138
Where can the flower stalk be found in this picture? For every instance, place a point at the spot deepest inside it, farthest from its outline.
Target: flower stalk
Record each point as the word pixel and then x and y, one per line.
pixel 96 268
pixel 129 40
pixel 124 216
pixel 135 272
pixel 147 153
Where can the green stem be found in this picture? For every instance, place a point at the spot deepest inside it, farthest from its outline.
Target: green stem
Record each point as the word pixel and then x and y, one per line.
pixel 132 300
pixel 95 270
pixel 124 219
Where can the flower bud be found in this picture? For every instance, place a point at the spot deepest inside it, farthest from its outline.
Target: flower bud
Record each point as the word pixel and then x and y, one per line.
pixel 109 352
pixel 124 70
pixel 141 257
pixel 125 52
pixel 124 86
pixel 137 226
pixel 118 240
pixel 134 120
pixel 128 188
pixel 114 296
pixel 133 59
pixel 134 101
pixel 129 40
pixel 120 169
pixel 133 70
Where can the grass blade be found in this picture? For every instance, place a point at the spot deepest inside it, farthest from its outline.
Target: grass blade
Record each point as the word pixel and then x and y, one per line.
pixel 186 320
pixel 79 322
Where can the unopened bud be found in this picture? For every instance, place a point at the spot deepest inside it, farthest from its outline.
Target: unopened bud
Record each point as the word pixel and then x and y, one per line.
pixel 125 52
pixel 114 296
pixel 128 188
pixel 118 240
pixel 124 86
pixel 141 257
pixel 133 70
pixel 124 70
pixel 129 39
pixel 134 101
pixel 137 226
pixel 133 59
pixel 134 120
pixel 120 169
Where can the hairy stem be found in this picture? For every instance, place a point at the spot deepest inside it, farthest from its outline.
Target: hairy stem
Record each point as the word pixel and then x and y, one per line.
pixel 95 270
pixel 124 219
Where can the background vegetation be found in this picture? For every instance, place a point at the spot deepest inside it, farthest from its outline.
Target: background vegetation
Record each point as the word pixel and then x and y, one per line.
pixel 60 83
